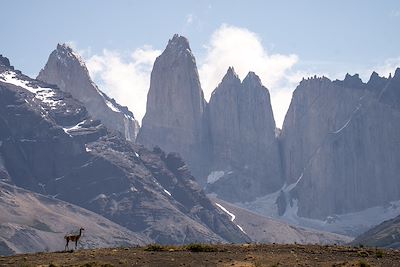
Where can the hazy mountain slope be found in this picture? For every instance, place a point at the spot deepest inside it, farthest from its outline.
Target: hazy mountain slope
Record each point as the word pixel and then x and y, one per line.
pixel 30 222
pixel 386 234
pixel 268 230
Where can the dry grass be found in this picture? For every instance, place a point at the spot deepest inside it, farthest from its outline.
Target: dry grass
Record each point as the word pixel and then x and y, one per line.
pixel 213 255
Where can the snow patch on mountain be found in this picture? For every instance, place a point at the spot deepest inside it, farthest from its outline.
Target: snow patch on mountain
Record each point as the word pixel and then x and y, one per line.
pixel 215 176
pixel 167 192
pixel 111 106
pixel 126 127
pixel 351 224
pixel 44 94
pixel 233 216
pixel 226 211
pixel 75 127
pixel 348 121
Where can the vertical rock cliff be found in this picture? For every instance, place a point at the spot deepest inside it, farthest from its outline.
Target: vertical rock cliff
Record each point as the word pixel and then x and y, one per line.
pixel 175 106
pixel 341 145
pixel 245 155
pixel 66 69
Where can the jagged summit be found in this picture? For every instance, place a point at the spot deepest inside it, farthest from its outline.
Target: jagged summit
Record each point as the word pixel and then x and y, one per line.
pixel 390 94
pixel 374 76
pixel 397 73
pixel 253 79
pixel 64 46
pixel 312 81
pixel 230 76
pixel 230 81
pixel 351 81
pixel 352 78
pixel 376 83
pixel 178 46
pixel 231 71
pixel 4 62
pixel 179 41
pixel 67 55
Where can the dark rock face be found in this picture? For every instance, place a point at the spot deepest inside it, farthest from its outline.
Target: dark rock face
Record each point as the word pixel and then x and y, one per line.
pixel 351 82
pixel 341 146
pixel 390 95
pixel 244 147
pixel 175 106
pixel 5 62
pixel 376 83
pixel 50 145
pixel 65 69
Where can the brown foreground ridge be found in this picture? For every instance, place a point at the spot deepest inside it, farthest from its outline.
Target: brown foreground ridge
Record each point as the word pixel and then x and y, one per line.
pixel 213 255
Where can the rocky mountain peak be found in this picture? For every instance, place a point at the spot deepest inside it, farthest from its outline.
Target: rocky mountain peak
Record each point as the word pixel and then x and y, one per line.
pixel 230 77
pixel 175 104
pixel 66 69
pixel 352 78
pixel 252 79
pixel 390 94
pixel 351 81
pixel 178 45
pixel 64 47
pixel 67 56
pixel 4 62
pixel 397 73
pixel 244 148
pixel 374 76
pixel 376 83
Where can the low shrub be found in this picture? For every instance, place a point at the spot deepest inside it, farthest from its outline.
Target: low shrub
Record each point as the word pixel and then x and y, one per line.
pixel 379 254
pixel 363 263
pixel 154 247
pixel 201 248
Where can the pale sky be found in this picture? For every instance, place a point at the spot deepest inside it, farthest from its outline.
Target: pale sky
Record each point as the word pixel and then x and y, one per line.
pixel 282 41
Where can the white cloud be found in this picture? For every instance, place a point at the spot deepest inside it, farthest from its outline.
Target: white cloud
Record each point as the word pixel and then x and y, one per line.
pixel 125 78
pixel 243 49
pixel 189 18
pixel 395 13
pixel 388 67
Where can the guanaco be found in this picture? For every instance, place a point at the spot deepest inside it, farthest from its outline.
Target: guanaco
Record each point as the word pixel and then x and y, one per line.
pixel 73 238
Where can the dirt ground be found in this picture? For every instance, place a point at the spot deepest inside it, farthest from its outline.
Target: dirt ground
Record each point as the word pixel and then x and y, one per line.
pixel 217 255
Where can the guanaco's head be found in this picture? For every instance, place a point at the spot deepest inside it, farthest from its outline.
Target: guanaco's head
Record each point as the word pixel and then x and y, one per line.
pixel 82 229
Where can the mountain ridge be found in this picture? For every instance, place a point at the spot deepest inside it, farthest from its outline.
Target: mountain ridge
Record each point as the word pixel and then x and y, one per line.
pixel 51 145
